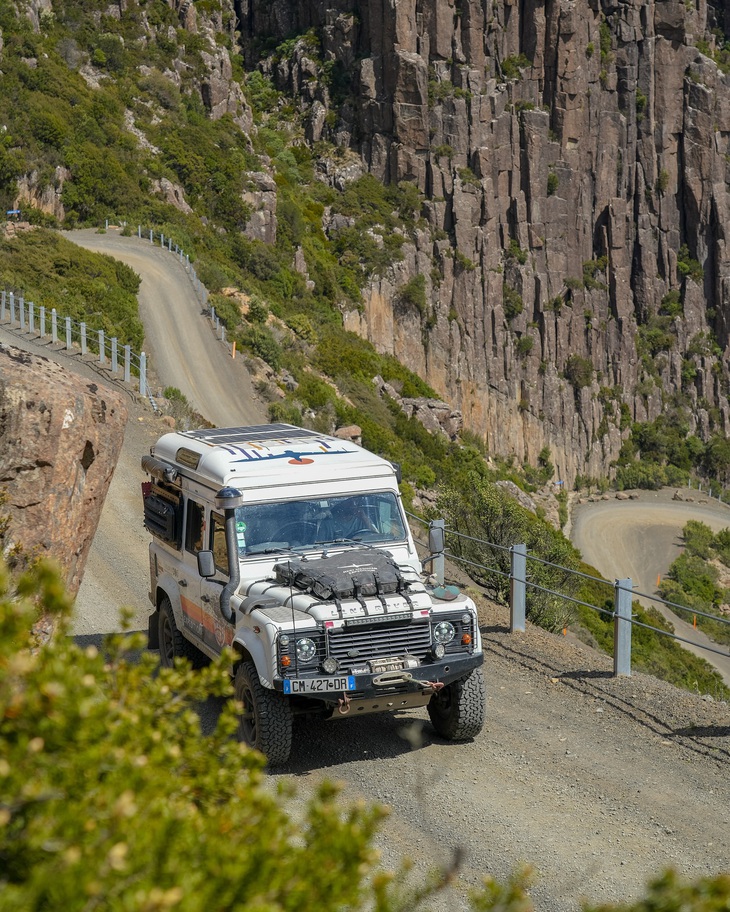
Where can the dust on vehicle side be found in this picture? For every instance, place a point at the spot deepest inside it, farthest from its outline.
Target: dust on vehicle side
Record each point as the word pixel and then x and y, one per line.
pixel 292 548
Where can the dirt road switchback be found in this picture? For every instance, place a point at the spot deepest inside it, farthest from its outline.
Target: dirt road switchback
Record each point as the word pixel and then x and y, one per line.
pixel 639 539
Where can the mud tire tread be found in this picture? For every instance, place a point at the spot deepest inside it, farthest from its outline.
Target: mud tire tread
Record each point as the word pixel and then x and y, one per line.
pixel 169 634
pixel 457 712
pixel 273 719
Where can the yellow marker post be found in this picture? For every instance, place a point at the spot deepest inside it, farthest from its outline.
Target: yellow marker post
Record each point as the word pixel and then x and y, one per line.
pixel 233 350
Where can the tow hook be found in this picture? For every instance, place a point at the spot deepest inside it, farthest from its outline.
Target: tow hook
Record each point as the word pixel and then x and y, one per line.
pixel 343 705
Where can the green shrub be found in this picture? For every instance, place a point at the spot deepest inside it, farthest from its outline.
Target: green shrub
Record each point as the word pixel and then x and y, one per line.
pixel 512 66
pixel 687 267
pixel 515 252
pixel 260 341
pixel 485 511
pixel 579 371
pixel 671 304
pixel 524 346
pixel 553 182
pixel 413 294
pixel 512 302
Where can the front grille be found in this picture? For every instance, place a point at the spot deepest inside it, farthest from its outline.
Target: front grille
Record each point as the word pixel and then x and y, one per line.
pixel 378 643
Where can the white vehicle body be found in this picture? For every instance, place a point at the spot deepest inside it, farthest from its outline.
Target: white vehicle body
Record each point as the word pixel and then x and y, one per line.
pixel 292 548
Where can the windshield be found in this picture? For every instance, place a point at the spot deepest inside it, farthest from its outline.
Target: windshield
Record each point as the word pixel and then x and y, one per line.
pixel 318 522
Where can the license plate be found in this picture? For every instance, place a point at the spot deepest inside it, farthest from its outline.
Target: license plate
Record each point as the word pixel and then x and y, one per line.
pixel 381 665
pixel 319 685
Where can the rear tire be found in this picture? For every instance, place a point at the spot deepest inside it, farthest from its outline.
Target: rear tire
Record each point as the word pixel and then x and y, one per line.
pixel 266 721
pixel 457 711
pixel 173 644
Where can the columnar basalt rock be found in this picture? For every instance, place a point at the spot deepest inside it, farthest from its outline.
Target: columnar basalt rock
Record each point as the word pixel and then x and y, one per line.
pixel 568 151
pixel 60 437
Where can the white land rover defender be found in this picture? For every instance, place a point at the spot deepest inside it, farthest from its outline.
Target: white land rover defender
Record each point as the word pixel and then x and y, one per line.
pixel 292 548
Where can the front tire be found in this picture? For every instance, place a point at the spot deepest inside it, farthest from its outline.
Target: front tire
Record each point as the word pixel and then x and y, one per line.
pixel 266 721
pixel 173 644
pixel 457 711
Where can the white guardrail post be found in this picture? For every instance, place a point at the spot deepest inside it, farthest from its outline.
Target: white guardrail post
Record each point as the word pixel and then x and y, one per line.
pixel 142 374
pixel 517 588
pixel 623 591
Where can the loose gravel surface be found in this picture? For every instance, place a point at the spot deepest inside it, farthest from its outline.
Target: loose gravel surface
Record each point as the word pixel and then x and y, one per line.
pixel 597 782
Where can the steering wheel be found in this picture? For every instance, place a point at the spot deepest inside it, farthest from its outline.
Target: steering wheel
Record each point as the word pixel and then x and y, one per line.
pixel 299 532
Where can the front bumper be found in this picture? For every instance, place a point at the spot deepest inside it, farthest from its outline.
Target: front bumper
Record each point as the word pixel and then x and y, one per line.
pixel 417 681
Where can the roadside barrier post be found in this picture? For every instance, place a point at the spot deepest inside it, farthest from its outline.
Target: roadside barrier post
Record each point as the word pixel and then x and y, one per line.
pixel 114 354
pixel 54 326
pixel 31 316
pixel 68 334
pixel 43 321
pixel 12 307
pixel 142 374
pixel 21 305
pixel 127 362
pixel 83 338
pixel 2 306
pixel 517 587
pixel 622 628
pixel 102 356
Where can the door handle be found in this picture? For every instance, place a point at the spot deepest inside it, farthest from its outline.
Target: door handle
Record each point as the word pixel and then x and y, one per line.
pixel 204 598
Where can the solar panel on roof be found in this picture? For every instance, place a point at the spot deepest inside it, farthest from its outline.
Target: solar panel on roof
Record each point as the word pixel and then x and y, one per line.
pixel 261 432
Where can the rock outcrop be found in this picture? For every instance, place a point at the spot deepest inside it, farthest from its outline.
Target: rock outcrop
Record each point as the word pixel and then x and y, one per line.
pixel 575 157
pixel 60 437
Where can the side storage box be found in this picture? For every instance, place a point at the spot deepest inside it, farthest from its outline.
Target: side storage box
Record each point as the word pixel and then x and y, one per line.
pixel 163 515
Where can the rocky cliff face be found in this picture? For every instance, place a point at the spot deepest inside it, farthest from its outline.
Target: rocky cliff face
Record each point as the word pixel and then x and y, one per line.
pixel 60 437
pixel 575 156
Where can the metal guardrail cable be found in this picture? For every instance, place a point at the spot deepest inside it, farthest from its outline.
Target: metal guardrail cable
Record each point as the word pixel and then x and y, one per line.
pixel 588 576
pixel 481 541
pixel 569 598
pixel 705 614
pixel 463 560
pixel 674 636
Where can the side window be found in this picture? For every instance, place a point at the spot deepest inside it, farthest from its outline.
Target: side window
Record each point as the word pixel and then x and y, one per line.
pixel 194 527
pixel 218 542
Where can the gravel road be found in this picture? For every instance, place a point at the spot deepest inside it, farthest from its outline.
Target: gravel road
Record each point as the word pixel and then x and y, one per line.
pixel 639 539
pixel 597 782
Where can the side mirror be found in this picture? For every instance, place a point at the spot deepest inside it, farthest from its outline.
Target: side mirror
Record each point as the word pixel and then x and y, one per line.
pixel 206 564
pixel 436 537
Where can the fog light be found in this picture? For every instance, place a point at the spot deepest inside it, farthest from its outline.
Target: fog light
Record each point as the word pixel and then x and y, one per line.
pixel 285 661
pixel 330 665
pixel 465 639
pixel 284 639
pixel 438 650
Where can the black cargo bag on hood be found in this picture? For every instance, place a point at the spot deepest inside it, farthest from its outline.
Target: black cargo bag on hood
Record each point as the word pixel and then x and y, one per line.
pixel 349 575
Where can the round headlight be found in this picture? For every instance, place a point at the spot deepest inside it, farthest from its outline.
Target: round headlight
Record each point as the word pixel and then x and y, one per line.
pixel 284 640
pixel 330 665
pixel 306 649
pixel 444 632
